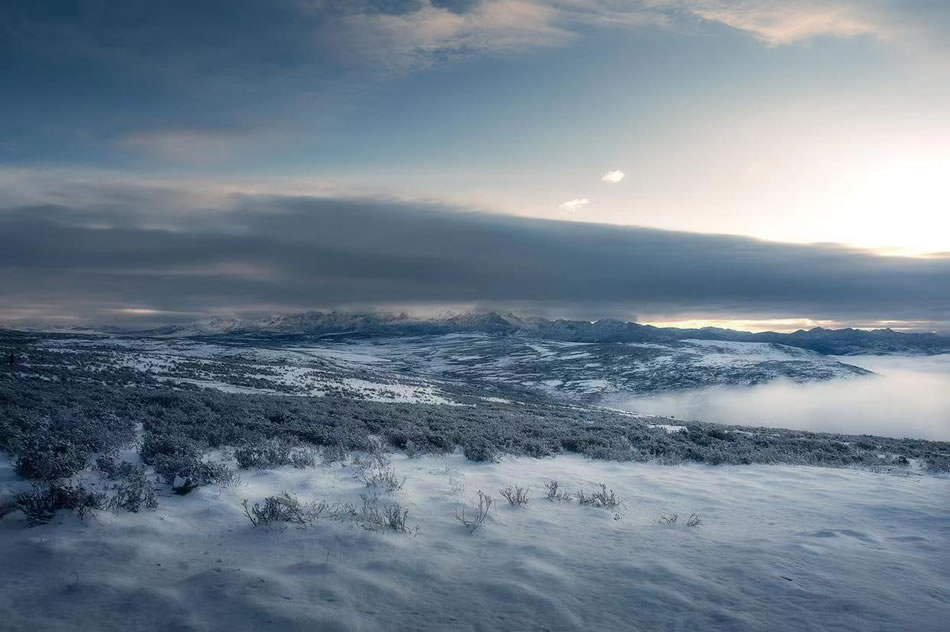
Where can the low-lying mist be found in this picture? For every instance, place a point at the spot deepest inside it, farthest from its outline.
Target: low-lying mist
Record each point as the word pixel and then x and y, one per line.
pixel 908 397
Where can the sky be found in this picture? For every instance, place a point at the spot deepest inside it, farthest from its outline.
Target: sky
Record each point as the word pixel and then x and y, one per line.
pixel 756 163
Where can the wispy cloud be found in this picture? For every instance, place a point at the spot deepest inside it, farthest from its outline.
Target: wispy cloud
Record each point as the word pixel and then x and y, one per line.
pixel 188 146
pixel 575 204
pixel 778 22
pixel 613 177
pixel 427 33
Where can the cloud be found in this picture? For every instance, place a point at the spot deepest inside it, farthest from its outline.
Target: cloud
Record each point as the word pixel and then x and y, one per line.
pixel 426 33
pixel 164 79
pixel 575 204
pixel 99 249
pixel 907 398
pixel 188 146
pixel 613 177
pixel 778 22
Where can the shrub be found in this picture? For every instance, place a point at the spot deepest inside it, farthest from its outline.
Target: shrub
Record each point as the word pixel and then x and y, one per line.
pixel 475 519
pixel 603 498
pixel 41 504
pixel 334 454
pixel 937 463
pixel 185 471
pixel 284 508
pixel 133 490
pixel 670 520
pixel 480 451
pixel 107 464
pixel 515 495
pixel 270 453
pixel 555 492
pixel 303 457
pixel 391 517
pixel 385 479
pixel 167 446
pixel 49 460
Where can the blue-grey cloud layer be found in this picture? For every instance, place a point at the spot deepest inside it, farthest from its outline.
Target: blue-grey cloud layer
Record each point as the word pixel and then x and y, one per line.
pixel 106 83
pixel 155 249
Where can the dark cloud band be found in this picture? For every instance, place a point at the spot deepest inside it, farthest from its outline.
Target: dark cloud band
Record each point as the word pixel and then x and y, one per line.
pixel 292 253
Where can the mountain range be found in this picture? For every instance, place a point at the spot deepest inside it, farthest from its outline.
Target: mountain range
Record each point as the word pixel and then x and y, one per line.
pixel 826 341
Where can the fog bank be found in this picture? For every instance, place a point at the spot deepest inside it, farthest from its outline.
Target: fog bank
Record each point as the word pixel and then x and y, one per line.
pixel 908 397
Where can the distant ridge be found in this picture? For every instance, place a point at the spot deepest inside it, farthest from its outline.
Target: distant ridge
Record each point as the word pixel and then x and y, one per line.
pixel 825 341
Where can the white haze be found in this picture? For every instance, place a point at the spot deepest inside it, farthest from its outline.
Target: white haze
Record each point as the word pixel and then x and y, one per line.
pixel 907 397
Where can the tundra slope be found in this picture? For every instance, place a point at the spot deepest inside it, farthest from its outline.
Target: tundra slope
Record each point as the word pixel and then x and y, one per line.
pixel 423 368
pixel 64 389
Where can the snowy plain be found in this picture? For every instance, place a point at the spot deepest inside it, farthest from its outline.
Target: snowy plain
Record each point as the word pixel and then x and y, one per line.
pixel 779 548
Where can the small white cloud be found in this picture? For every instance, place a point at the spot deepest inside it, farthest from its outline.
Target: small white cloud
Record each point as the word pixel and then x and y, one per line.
pixel 613 177
pixel 575 204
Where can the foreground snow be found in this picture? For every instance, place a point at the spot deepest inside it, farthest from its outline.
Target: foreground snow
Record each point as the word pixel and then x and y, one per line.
pixel 780 548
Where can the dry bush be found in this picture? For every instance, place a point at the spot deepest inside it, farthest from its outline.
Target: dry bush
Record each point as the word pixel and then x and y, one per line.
pixel 41 504
pixel 335 454
pixel 475 519
pixel 515 495
pixel 384 479
pixel 391 517
pixel 670 520
pixel 556 493
pixel 303 457
pixel 284 508
pixel 603 498
pixel 269 453
pixel 133 491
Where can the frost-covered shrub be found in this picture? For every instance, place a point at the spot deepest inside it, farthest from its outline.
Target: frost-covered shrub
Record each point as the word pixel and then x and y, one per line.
pixel 270 453
pixel 475 518
pixel 108 465
pixel 48 460
pixel 670 520
pixel 382 479
pixel 303 457
pixel 285 508
pixel 334 454
pixel 185 473
pixel 603 498
pixel 617 450
pixel 480 451
pixel 937 463
pixel 133 490
pixel 391 517
pixel 167 448
pixel 178 460
pixel 41 504
pixel 554 492
pixel 515 495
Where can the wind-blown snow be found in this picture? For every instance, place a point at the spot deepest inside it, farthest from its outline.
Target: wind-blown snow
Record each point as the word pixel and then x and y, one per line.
pixel 780 548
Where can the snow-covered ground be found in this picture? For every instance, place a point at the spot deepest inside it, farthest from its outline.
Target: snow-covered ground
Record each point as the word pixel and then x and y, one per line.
pixel 780 548
pixel 416 368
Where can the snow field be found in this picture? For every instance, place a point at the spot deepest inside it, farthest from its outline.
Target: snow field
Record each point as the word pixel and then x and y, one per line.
pixel 780 548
